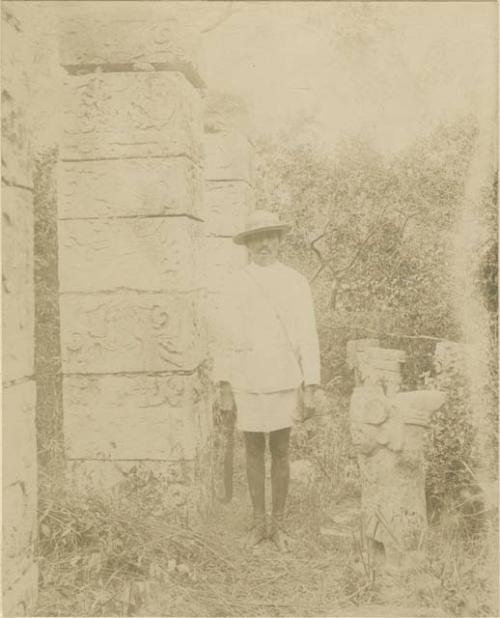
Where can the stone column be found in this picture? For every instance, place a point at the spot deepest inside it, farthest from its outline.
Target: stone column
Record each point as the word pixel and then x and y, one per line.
pixel 229 194
pixel 229 197
pixel 388 429
pixel 130 230
pixel 19 469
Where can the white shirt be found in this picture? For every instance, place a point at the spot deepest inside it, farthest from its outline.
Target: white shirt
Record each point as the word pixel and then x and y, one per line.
pixel 266 335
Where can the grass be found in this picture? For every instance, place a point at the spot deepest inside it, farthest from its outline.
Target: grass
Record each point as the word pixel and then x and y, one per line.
pixel 118 555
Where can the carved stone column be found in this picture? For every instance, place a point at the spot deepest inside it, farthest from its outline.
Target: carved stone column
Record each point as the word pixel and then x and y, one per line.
pixel 388 429
pixel 229 197
pixel 130 233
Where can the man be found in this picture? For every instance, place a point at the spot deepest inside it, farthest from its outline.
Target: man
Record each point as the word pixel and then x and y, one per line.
pixel 267 352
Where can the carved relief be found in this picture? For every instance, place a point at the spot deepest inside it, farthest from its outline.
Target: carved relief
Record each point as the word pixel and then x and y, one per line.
pixel 108 115
pixel 130 332
pixel 145 254
pixel 388 433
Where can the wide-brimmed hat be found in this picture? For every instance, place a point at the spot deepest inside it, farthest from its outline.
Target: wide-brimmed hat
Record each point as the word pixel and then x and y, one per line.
pixel 260 221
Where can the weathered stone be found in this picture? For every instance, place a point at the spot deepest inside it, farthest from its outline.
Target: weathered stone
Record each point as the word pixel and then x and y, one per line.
pixel 130 332
pixel 115 35
pixel 17 283
pixel 222 257
pixel 16 59
pixel 19 474
pixel 19 596
pixel 227 206
pixel 388 435
pixel 228 156
pixel 130 115
pixel 131 417
pixel 148 254
pixel 225 112
pixel 129 187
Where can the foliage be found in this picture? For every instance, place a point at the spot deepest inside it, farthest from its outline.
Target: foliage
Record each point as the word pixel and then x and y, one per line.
pixel 373 234
pixel 375 237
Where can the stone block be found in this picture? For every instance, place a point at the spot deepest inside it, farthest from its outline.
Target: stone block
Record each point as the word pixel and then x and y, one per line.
pixel 17 283
pixel 130 115
pixel 227 204
pixel 19 596
pixel 131 417
pixel 228 156
pixel 129 187
pixel 152 254
pixel 110 333
pixel 225 112
pixel 19 478
pixel 117 36
pixel 222 258
pixel 16 59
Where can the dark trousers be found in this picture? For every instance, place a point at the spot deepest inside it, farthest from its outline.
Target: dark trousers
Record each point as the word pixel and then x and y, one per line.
pixel 255 446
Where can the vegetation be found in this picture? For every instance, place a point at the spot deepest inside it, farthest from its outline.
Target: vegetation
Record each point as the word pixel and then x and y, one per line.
pixel 374 236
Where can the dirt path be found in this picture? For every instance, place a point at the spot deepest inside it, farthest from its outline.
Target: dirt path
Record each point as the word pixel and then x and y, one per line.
pixel 323 576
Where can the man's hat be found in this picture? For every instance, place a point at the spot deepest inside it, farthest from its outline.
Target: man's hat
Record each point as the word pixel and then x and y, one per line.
pixel 260 221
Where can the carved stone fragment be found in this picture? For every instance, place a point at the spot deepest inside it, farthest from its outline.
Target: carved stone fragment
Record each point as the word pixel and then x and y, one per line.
pixel 388 434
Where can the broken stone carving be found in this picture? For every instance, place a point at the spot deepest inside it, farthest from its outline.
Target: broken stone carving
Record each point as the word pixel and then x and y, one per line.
pixel 388 430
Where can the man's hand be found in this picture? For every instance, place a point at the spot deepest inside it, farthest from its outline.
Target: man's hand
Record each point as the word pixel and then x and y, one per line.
pixel 226 398
pixel 309 404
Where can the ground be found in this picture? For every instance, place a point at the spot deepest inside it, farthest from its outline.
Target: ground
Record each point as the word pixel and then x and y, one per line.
pixel 122 556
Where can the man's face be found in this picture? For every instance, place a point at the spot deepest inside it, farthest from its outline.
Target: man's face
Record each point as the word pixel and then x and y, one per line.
pixel 263 247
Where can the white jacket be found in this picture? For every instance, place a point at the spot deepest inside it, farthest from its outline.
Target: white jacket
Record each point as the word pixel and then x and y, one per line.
pixel 266 334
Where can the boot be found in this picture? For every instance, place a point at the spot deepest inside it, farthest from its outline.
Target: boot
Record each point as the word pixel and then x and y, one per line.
pixel 278 536
pixel 257 532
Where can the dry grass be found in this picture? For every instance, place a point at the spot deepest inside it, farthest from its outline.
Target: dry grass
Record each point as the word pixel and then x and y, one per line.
pixel 118 556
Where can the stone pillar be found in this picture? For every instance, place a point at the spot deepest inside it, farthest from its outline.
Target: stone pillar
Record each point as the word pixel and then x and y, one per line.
pixel 229 194
pixel 229 197
pixel 130 231
pixel 19 469
pixel 388 433
pixel 388 429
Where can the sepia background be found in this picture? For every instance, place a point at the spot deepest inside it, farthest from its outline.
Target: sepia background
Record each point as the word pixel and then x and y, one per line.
pixel 136 137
